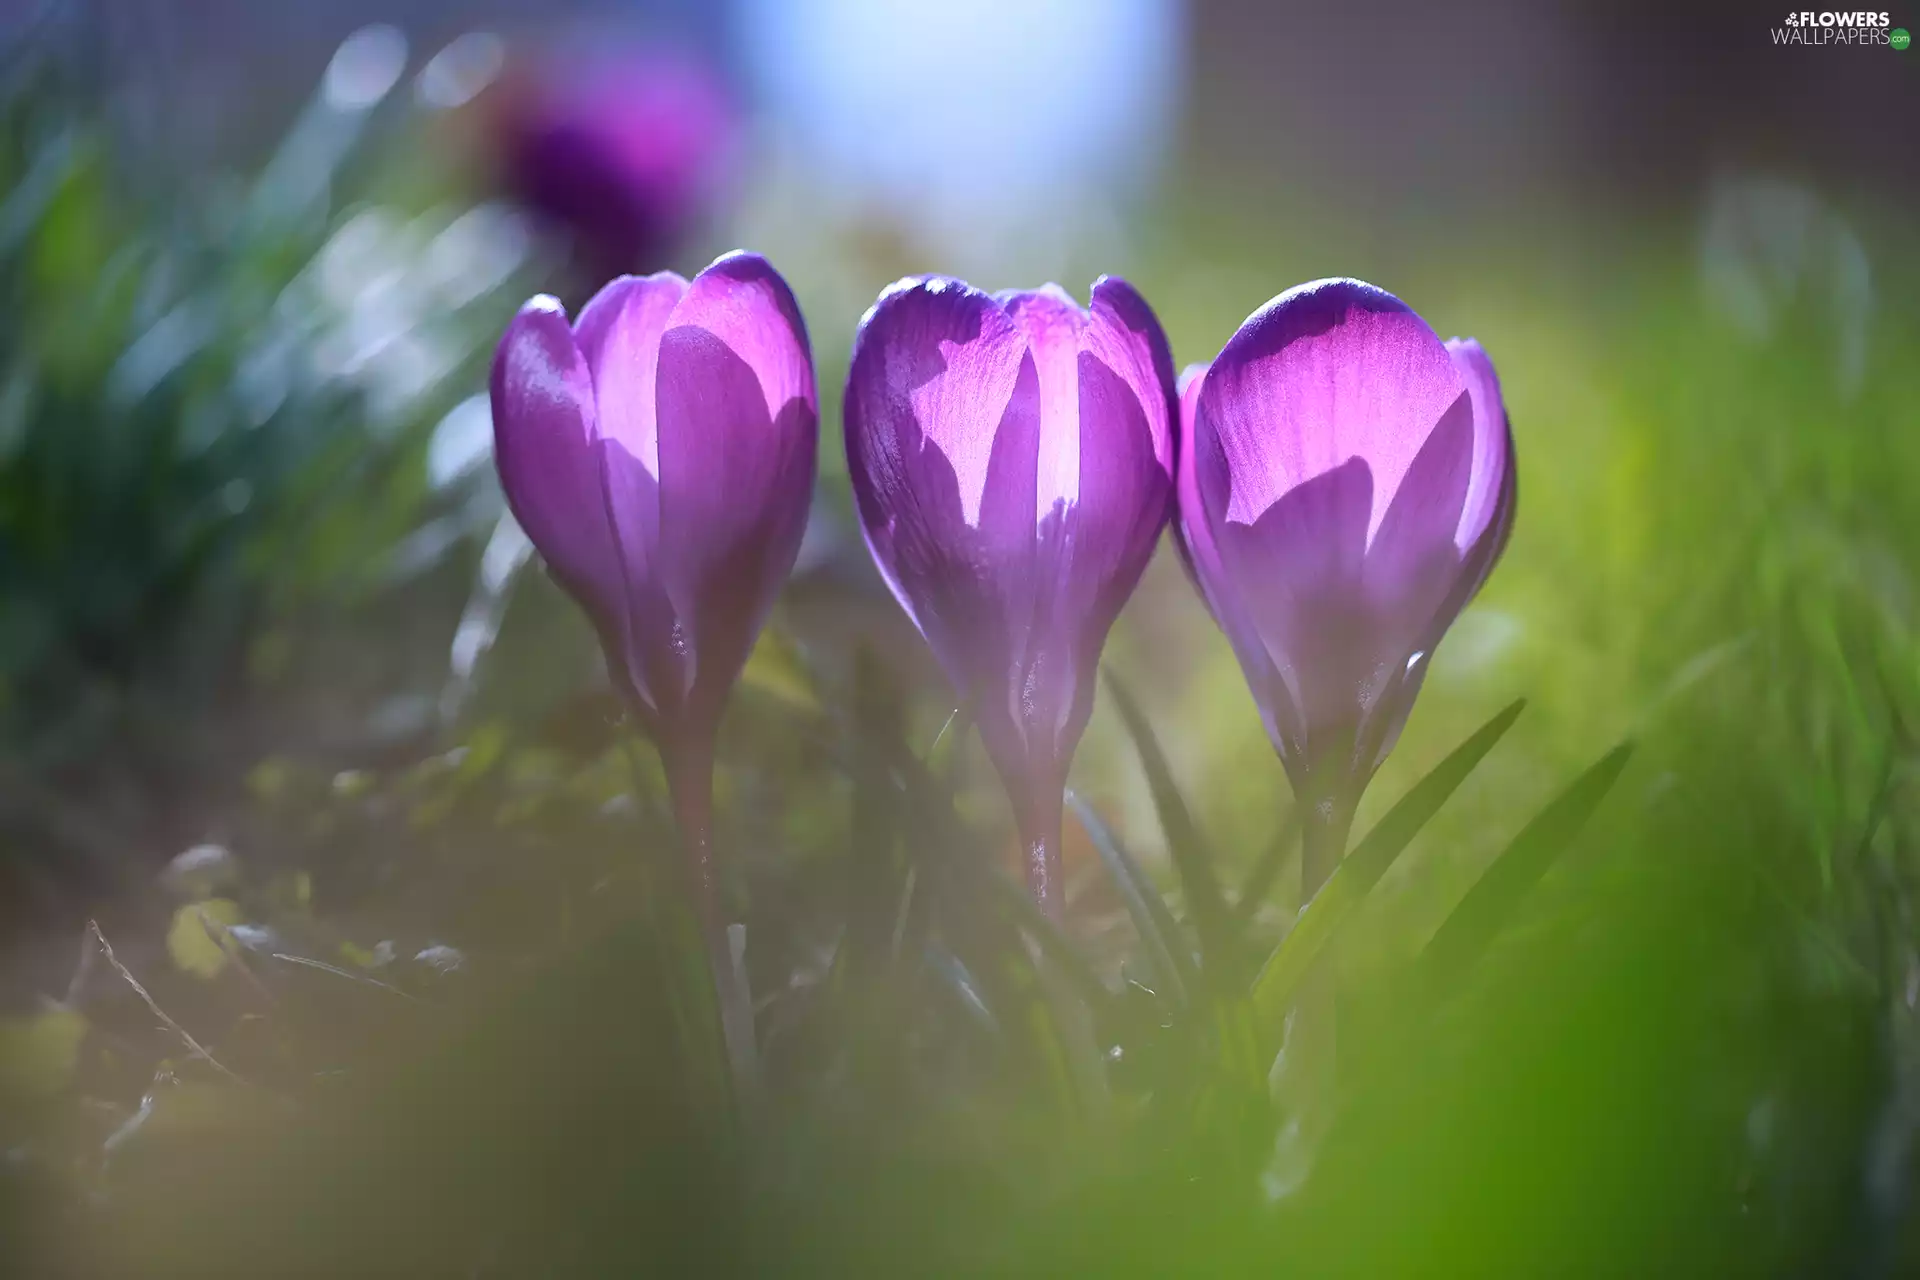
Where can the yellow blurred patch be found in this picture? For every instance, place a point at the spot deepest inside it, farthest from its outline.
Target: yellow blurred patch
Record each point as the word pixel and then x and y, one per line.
pixel 196 940
pixel 775 669
pixel 355 954
pixel 38 1052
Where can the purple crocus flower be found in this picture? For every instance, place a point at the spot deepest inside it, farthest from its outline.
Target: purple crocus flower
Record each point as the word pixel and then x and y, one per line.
pixel 618 157
pixel 659 452
pixel 1347 484
pixel 1012 457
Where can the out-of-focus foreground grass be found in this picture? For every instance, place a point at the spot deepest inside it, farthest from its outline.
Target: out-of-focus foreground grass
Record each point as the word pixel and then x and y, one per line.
pixel 1690 1050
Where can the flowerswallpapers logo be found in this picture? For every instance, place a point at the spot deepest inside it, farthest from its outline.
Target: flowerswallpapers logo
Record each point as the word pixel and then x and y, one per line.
pixel 1808 27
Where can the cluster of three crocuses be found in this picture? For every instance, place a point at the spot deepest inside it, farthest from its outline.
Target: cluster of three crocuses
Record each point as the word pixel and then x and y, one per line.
pixel 1339 483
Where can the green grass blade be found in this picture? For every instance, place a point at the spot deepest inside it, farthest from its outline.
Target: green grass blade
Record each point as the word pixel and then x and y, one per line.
pixel 1260 881
pixel 943 754
pixel 1394 832
pixel 1167 951
pixel 952 976
pixel 876 866
pixel 1205 903
pixel 1472 925
pixel 1054 944
pixel 980 918
pixel 1287 967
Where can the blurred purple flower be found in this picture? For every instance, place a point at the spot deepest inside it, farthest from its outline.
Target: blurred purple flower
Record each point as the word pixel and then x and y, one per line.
pixel 620 158
pixel 1011 457
pixel 659 453
pixel 1347 484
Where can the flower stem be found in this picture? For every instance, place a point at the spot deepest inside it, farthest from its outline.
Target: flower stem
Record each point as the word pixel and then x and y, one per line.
pixel 1040 821
pixel 689 769
pixel 1324 828
pixel 1308 1079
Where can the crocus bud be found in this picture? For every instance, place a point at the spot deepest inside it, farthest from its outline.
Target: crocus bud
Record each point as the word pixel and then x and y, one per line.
pixel 1011 458
pixel 659 452
pixel 1347 485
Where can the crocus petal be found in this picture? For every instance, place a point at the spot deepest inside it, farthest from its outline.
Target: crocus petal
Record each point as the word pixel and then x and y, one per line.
pixel 934 369
pixel 1411 560
pixel 1126 460
pixel 544 422
pixel 1489 503
pixel 619 334
pixel 1192 536
pixel 1053 324
pixel 1192 379
pixel 1126 336
pixel 737 430
pixel 942 434
pixel 1327 371
pixel 741 300
pixel 1485 522
pixel 1103 492
pixel 1300 631
pixel 1102 546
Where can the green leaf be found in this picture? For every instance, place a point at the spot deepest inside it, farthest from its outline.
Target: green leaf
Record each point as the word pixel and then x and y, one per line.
pixel 1168 954
pixel 1354 878
pixel 1465 933
pixel 1261 879
pixel 1211 919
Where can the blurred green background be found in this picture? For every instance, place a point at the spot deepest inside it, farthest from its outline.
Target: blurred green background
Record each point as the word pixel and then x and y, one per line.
pixel 287 710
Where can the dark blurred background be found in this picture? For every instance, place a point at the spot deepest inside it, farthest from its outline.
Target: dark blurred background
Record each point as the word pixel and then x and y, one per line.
pixel 1459 108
